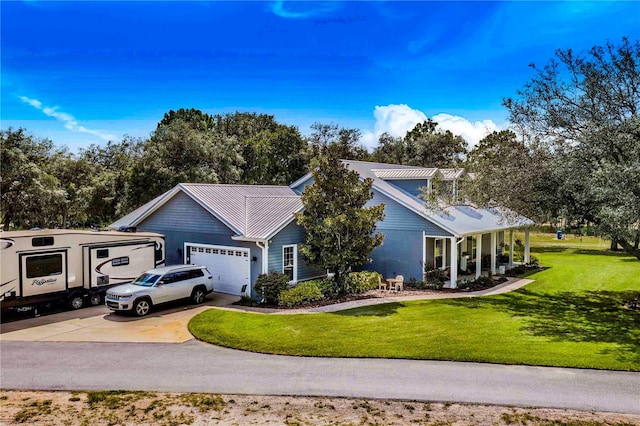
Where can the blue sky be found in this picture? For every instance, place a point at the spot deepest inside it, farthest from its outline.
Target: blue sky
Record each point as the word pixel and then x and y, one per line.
pixel 86 72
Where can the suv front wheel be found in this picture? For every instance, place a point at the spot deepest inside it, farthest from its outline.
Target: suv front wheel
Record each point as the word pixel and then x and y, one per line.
pixel 197 295
pixel 141 307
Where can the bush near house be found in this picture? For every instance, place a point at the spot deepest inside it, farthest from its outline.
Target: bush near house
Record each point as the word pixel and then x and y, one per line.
pixel 435 278
pixel 269 286
pixel 361 282
pixel 303 294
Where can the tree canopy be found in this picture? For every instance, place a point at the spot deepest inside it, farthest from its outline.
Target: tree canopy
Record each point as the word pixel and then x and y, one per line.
pixel 584 108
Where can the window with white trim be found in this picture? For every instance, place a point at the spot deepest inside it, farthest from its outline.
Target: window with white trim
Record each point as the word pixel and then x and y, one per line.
pixel 290 261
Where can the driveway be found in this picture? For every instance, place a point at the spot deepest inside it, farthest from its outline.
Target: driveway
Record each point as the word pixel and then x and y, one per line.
pixel 99 324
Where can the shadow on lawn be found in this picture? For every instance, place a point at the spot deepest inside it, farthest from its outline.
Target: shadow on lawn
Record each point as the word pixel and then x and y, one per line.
pixel 383 310
pixel 593 316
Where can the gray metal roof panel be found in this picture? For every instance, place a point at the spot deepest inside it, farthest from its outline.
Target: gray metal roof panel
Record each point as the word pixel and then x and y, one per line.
pixel 405 173
pixel 266 215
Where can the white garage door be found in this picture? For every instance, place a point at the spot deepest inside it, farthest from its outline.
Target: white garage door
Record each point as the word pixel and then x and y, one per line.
pixel 229 266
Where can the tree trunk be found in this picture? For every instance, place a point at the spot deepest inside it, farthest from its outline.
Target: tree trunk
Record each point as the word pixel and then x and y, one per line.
pixel 614 244
pixel 628 248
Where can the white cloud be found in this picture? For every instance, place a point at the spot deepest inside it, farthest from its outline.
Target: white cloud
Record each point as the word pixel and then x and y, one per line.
pixel 70 123
pixel 471 132
pixel 306 9
pixel 398 119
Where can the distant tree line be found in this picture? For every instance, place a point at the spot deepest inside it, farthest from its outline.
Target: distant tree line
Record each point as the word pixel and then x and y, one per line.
pixel 47 186
pixel 572 152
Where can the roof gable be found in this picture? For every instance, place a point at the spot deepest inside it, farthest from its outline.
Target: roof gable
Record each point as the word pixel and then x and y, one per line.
pixel 253 211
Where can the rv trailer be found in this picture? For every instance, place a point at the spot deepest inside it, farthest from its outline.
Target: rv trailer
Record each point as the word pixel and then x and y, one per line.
pixel 42 266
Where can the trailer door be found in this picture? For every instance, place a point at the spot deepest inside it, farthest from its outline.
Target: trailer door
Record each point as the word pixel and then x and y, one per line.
pixel 43 273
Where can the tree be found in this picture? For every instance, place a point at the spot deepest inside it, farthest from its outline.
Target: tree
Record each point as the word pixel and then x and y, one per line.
pixel 179 152
pixel 428 147
pixel 423 146
pixel 339 229
pixel 584 107
pixel 390 149
pixel 112 165
pixel 337 142
pixel 29 194
pixel 508 173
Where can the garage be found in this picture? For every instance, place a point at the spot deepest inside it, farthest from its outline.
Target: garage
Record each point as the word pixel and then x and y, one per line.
pixel 229 266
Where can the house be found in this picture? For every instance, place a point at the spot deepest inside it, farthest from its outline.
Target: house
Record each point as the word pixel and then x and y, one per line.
pixel 237 231
pixel 456 237
pixel 241 231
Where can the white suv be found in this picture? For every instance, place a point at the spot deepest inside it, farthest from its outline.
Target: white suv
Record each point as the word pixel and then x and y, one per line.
pixel 161 285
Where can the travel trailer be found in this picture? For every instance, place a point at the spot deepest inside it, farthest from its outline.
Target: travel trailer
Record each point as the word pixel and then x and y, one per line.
pixel 74 266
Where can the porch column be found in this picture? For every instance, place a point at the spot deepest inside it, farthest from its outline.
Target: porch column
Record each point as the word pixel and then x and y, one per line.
pixel 444 254
pixel 510 248
pixel 478 255
pixel 527 257
pixel 494 247
pixel 424 254
pixel 454 263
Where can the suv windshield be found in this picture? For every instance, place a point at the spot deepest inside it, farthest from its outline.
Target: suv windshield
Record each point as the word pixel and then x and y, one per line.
pixel 146 280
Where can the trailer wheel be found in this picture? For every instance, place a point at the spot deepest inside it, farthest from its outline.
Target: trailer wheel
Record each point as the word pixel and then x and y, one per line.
pixel 141 307
pixel 76 301
pixel 95 299
pixel 198 295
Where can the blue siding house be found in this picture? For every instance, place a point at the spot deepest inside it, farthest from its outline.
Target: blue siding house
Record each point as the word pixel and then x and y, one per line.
pixel 241 231
pixel 237 231
pixel 417 239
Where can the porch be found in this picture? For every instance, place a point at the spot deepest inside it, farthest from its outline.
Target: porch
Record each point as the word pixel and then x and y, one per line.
pixel 467 256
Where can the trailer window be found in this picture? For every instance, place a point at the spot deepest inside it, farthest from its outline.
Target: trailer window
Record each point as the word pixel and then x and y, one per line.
pixel 101 254
pixel 120 261
pixel 43 266
pixel 42 241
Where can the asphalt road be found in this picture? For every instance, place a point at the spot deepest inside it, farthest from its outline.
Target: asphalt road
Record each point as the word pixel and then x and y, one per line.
pixel 197 367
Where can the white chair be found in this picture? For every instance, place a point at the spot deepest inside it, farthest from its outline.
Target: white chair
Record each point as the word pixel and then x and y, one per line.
pixel 398 283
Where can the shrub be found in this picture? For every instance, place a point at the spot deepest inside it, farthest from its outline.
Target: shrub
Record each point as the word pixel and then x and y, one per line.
pixel 435 278
pixel 330 288
pixel 269 286
pixel 361 282
pixel 479 283
pixel 304 293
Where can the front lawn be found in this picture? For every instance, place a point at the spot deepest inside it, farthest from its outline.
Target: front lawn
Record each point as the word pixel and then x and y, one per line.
pixel 573 315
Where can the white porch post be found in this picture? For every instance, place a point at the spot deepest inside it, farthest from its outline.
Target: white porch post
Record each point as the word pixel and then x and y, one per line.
pixel 424 253
pixel 527 257
pixel 478 255
pixel 510 248
pixel 494 246
pixel 444 254
pixel 454 262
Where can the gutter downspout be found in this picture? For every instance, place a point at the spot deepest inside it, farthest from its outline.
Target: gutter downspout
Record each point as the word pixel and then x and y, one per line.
pixel 265 255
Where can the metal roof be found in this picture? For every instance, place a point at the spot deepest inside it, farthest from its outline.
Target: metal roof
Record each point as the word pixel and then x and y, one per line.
pixel 451 174
pixel 253 211
pixel 408 173
pixel 258 212
pixel 459 220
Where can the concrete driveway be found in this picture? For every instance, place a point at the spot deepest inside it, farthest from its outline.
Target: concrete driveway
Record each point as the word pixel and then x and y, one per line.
pixel 99 324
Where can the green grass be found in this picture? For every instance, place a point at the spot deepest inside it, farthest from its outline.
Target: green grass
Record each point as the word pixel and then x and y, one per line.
pixel 573 315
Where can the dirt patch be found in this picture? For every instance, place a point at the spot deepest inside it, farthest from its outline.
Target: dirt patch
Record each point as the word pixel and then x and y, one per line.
pixel 171 409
